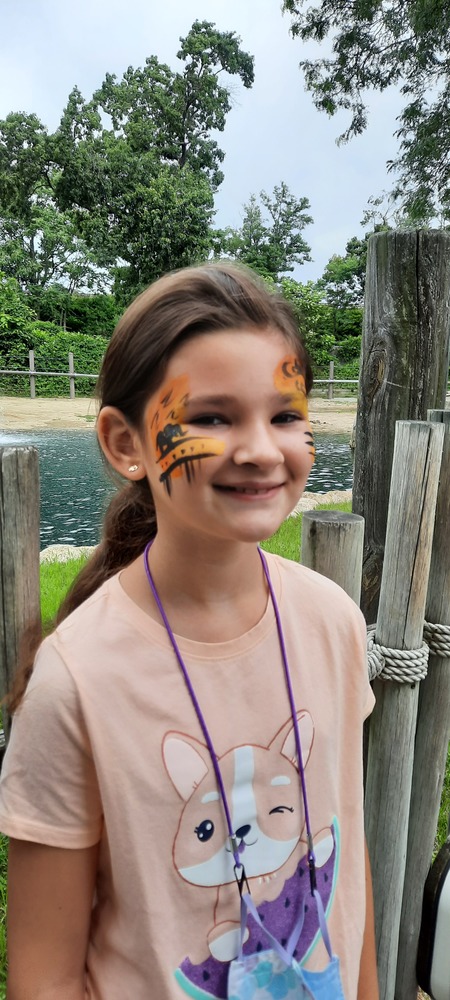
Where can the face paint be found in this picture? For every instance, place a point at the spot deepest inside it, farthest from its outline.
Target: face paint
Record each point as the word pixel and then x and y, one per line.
pixel 290 381
pixel 175 449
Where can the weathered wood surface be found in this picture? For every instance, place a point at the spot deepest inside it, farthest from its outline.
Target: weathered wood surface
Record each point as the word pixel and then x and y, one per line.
pixel 332 544
pixel 403 372
pixel 432 737
pixel 415 476
pixel 19 555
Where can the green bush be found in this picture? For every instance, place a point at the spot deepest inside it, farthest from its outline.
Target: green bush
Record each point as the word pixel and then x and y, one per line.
pixel 51 348
pixel 349 350
pixel 91 315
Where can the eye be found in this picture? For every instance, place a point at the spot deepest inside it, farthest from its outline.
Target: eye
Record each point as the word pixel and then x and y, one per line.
pixel 281 809
pixel 208 420
pixel 287 417
pixel 205 830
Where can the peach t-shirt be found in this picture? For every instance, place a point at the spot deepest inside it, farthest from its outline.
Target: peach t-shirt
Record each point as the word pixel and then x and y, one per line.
pixel 106 747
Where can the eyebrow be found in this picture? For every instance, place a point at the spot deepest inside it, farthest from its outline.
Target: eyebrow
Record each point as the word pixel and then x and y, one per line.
pixel 224 400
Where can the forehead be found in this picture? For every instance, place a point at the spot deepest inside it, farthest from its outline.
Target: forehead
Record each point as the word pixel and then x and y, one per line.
pixel 230 355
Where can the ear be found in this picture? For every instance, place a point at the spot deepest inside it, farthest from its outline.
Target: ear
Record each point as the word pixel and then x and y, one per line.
pixel 120 443
pixel 284 741
pixel 185 763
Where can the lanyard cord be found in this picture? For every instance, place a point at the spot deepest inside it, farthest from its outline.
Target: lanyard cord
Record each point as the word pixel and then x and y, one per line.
pixel 233 840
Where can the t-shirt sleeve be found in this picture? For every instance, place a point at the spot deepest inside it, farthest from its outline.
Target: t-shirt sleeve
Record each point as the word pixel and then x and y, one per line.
pixel 49 792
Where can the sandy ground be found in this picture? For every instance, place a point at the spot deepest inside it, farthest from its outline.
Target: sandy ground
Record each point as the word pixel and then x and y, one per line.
pixel 335 416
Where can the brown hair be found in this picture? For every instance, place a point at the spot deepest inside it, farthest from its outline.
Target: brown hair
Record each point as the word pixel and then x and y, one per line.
pixel 181 305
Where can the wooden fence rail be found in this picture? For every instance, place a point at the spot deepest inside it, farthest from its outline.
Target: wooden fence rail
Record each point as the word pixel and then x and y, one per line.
pixel 32 374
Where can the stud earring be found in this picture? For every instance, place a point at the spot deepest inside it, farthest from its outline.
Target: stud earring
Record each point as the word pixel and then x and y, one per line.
pixel 133 468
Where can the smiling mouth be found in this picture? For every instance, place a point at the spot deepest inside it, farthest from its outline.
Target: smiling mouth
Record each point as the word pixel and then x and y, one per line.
pixel 250 490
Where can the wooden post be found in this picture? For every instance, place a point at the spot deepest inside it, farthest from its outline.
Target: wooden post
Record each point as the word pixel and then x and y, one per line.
pixel 332 544
pixel 32 376
pixel 403 373
pixel 432 738
pixel 71 376
pixel 330 383
pixel 415 476
pixel 19 556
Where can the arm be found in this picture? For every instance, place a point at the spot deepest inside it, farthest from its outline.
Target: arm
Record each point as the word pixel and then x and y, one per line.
pixel 368 978
pixel 50 893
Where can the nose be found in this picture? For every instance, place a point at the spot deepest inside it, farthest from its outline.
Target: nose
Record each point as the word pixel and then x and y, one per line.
pixel 242 831
pixel 257 445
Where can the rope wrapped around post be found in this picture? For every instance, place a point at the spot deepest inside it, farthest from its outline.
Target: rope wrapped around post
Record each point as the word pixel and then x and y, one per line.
pixel 406 666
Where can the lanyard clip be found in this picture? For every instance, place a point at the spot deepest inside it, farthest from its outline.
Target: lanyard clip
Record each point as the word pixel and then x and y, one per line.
pixel 312 865
pixel 241 879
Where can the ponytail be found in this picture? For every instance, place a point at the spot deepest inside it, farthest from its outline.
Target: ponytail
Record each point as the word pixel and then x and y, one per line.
pixel 129 523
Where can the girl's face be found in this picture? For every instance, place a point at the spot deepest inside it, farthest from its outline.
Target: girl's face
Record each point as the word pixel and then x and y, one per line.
pixel 226 445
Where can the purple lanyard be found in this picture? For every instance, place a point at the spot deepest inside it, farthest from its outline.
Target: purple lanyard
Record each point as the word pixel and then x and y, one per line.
pixel 238 865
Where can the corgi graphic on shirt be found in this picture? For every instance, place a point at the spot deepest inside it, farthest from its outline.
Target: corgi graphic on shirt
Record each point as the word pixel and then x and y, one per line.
pixel 263 793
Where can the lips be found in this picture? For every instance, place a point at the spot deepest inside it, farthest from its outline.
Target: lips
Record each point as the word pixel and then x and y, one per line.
pixel 250 490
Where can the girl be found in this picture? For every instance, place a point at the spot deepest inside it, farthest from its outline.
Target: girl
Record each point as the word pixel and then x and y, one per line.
pixel 192 690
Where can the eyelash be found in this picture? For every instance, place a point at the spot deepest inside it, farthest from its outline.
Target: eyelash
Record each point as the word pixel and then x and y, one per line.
pixel 287 418
pixel 208 420
pixel 216 420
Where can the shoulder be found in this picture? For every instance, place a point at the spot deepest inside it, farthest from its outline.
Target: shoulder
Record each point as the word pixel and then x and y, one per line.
pixel 320 593
pixel 84 641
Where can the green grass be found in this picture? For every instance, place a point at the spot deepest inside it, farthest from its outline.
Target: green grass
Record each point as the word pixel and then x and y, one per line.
pixel 56 578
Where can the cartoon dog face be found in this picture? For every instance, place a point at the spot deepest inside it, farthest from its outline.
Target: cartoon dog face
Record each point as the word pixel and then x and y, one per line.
pixel 263 792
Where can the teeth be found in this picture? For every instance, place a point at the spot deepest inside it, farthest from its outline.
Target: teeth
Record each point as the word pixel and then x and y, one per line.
pixel 238 490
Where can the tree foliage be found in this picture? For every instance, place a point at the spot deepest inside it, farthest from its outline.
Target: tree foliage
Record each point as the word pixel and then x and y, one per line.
pixel 129 175
pixel 376 44
pixel 270 239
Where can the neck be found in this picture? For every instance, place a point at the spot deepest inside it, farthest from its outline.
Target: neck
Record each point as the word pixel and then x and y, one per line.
pixel 205 574
pixel 210 594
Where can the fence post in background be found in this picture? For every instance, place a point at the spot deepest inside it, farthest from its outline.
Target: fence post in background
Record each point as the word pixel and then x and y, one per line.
pixel 415 477
pixel 404 369
pixel 32 376
pixel 332 544
pixel 71 376
pixel 331 382
pixel 19 556
pixel 432 736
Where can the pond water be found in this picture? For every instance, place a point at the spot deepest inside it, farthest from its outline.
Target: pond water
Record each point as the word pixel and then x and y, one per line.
pixel 75 486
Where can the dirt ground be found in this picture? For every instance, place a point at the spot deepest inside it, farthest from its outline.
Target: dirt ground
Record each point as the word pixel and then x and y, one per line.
pixel 16 413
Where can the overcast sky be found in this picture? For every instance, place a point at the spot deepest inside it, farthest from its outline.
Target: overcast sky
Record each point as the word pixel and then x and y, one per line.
pixel 273 133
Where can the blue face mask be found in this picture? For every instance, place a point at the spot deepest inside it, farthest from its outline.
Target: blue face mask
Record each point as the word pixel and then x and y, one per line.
pixel 274 974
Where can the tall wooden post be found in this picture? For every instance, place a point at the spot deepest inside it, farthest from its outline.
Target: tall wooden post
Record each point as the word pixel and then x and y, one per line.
pixel 19 555
pixel 403 371
pixel 332 544
pixel 432 737
pixel 415 476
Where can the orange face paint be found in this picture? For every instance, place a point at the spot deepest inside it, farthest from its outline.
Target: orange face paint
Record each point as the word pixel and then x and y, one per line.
pixel 175 449
pixel 289 380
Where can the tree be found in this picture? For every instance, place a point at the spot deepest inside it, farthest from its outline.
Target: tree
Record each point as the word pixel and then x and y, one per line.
pixel 271 242
pixel 306 301
pixel 44 247
pixel 135 167
pixel 377 44
pixel 16 317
